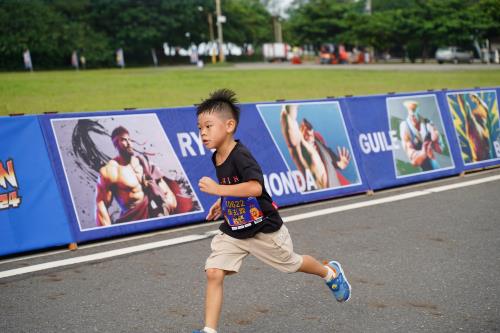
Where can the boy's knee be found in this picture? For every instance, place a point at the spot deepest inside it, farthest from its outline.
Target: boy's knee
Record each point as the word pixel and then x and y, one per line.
pixel 215 275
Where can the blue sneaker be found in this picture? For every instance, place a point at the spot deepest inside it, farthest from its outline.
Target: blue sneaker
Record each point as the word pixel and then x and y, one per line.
pixel 339 286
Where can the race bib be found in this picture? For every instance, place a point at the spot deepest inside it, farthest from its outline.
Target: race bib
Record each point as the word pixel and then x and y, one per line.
pixel 241 213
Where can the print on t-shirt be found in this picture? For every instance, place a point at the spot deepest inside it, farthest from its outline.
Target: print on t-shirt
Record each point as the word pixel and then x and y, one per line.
pixel 241 213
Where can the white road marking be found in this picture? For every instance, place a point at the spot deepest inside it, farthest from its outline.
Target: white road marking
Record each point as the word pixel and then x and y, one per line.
pixel 107 254
pixel 368 203
pixel 195 237
pixel 393 198
pixel 108 242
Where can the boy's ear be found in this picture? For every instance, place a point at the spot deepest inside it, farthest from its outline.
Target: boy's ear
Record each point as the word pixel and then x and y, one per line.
pixel 231 125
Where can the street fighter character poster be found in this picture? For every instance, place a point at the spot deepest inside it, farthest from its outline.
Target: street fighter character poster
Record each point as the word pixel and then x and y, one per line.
pixel 312 139
pixel 475 119
pixel 122 169
pixel 423 143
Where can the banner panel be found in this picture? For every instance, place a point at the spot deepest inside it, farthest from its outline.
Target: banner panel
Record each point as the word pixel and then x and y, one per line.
pixel 476 126
pixel 31 211
pixel 314 157
pixel 119 173
pixel 113 173
pixel 402 138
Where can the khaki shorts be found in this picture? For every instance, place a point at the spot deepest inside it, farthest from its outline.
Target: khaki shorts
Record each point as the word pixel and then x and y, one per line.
pixel 274 249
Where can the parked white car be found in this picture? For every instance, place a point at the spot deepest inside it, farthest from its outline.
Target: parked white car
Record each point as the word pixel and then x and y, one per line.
pixel 453 54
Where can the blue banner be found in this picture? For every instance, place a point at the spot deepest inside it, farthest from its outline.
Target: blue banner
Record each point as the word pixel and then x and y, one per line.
pixel 123 172
pixel 31 211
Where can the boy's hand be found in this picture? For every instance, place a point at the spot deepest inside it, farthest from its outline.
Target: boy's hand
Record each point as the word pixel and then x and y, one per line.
pixel 208 185
pixel 215 211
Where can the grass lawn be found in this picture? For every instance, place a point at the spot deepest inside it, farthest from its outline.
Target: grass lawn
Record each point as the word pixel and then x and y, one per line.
pixel 112 89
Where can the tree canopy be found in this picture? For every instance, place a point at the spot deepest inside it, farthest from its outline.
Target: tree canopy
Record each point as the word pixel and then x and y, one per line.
pixel 412 26
pixel 53 29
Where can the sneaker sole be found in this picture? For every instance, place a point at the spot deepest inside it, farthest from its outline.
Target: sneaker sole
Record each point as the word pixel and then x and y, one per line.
pixel 345 279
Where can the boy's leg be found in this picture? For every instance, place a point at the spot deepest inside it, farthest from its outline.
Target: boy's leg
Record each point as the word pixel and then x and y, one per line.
pixel 333 275
pixel 225 259
pixel 312 266
pixel 276 249
pixel 214 296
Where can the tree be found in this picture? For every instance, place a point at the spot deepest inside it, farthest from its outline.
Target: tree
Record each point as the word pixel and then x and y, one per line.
pixel 387 5
pixel 139 26
pixel 320 21
pixel 485 16
pixel 437 23
pixel 416 26
pixel 32 25
pixel 248 21
pixel 51 30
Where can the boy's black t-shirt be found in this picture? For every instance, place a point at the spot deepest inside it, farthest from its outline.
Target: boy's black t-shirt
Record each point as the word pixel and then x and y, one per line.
pixel 245 217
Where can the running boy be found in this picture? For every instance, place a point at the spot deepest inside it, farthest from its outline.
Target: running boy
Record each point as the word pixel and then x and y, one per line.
pixel 252 224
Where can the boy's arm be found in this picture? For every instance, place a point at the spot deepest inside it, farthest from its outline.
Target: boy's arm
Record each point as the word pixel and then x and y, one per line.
pixel 251 188
pixel 215 211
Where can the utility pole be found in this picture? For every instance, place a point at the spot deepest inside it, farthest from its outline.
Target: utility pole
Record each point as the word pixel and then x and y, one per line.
pixel 220 39
pixel 212 38
pixel 210 21
pixel 278 35
pixel 210 26
pixel 370 49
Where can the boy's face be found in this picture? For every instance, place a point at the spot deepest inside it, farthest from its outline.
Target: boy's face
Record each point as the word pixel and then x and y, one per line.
pixel 214 129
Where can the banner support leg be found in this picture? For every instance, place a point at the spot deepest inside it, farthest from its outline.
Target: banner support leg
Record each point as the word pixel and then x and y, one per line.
pixel 72 246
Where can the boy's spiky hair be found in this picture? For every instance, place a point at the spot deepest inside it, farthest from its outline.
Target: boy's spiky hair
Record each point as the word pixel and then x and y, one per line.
pixel 222 100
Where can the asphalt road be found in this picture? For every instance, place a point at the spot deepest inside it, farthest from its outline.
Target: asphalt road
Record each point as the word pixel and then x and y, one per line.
pixel 426 264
